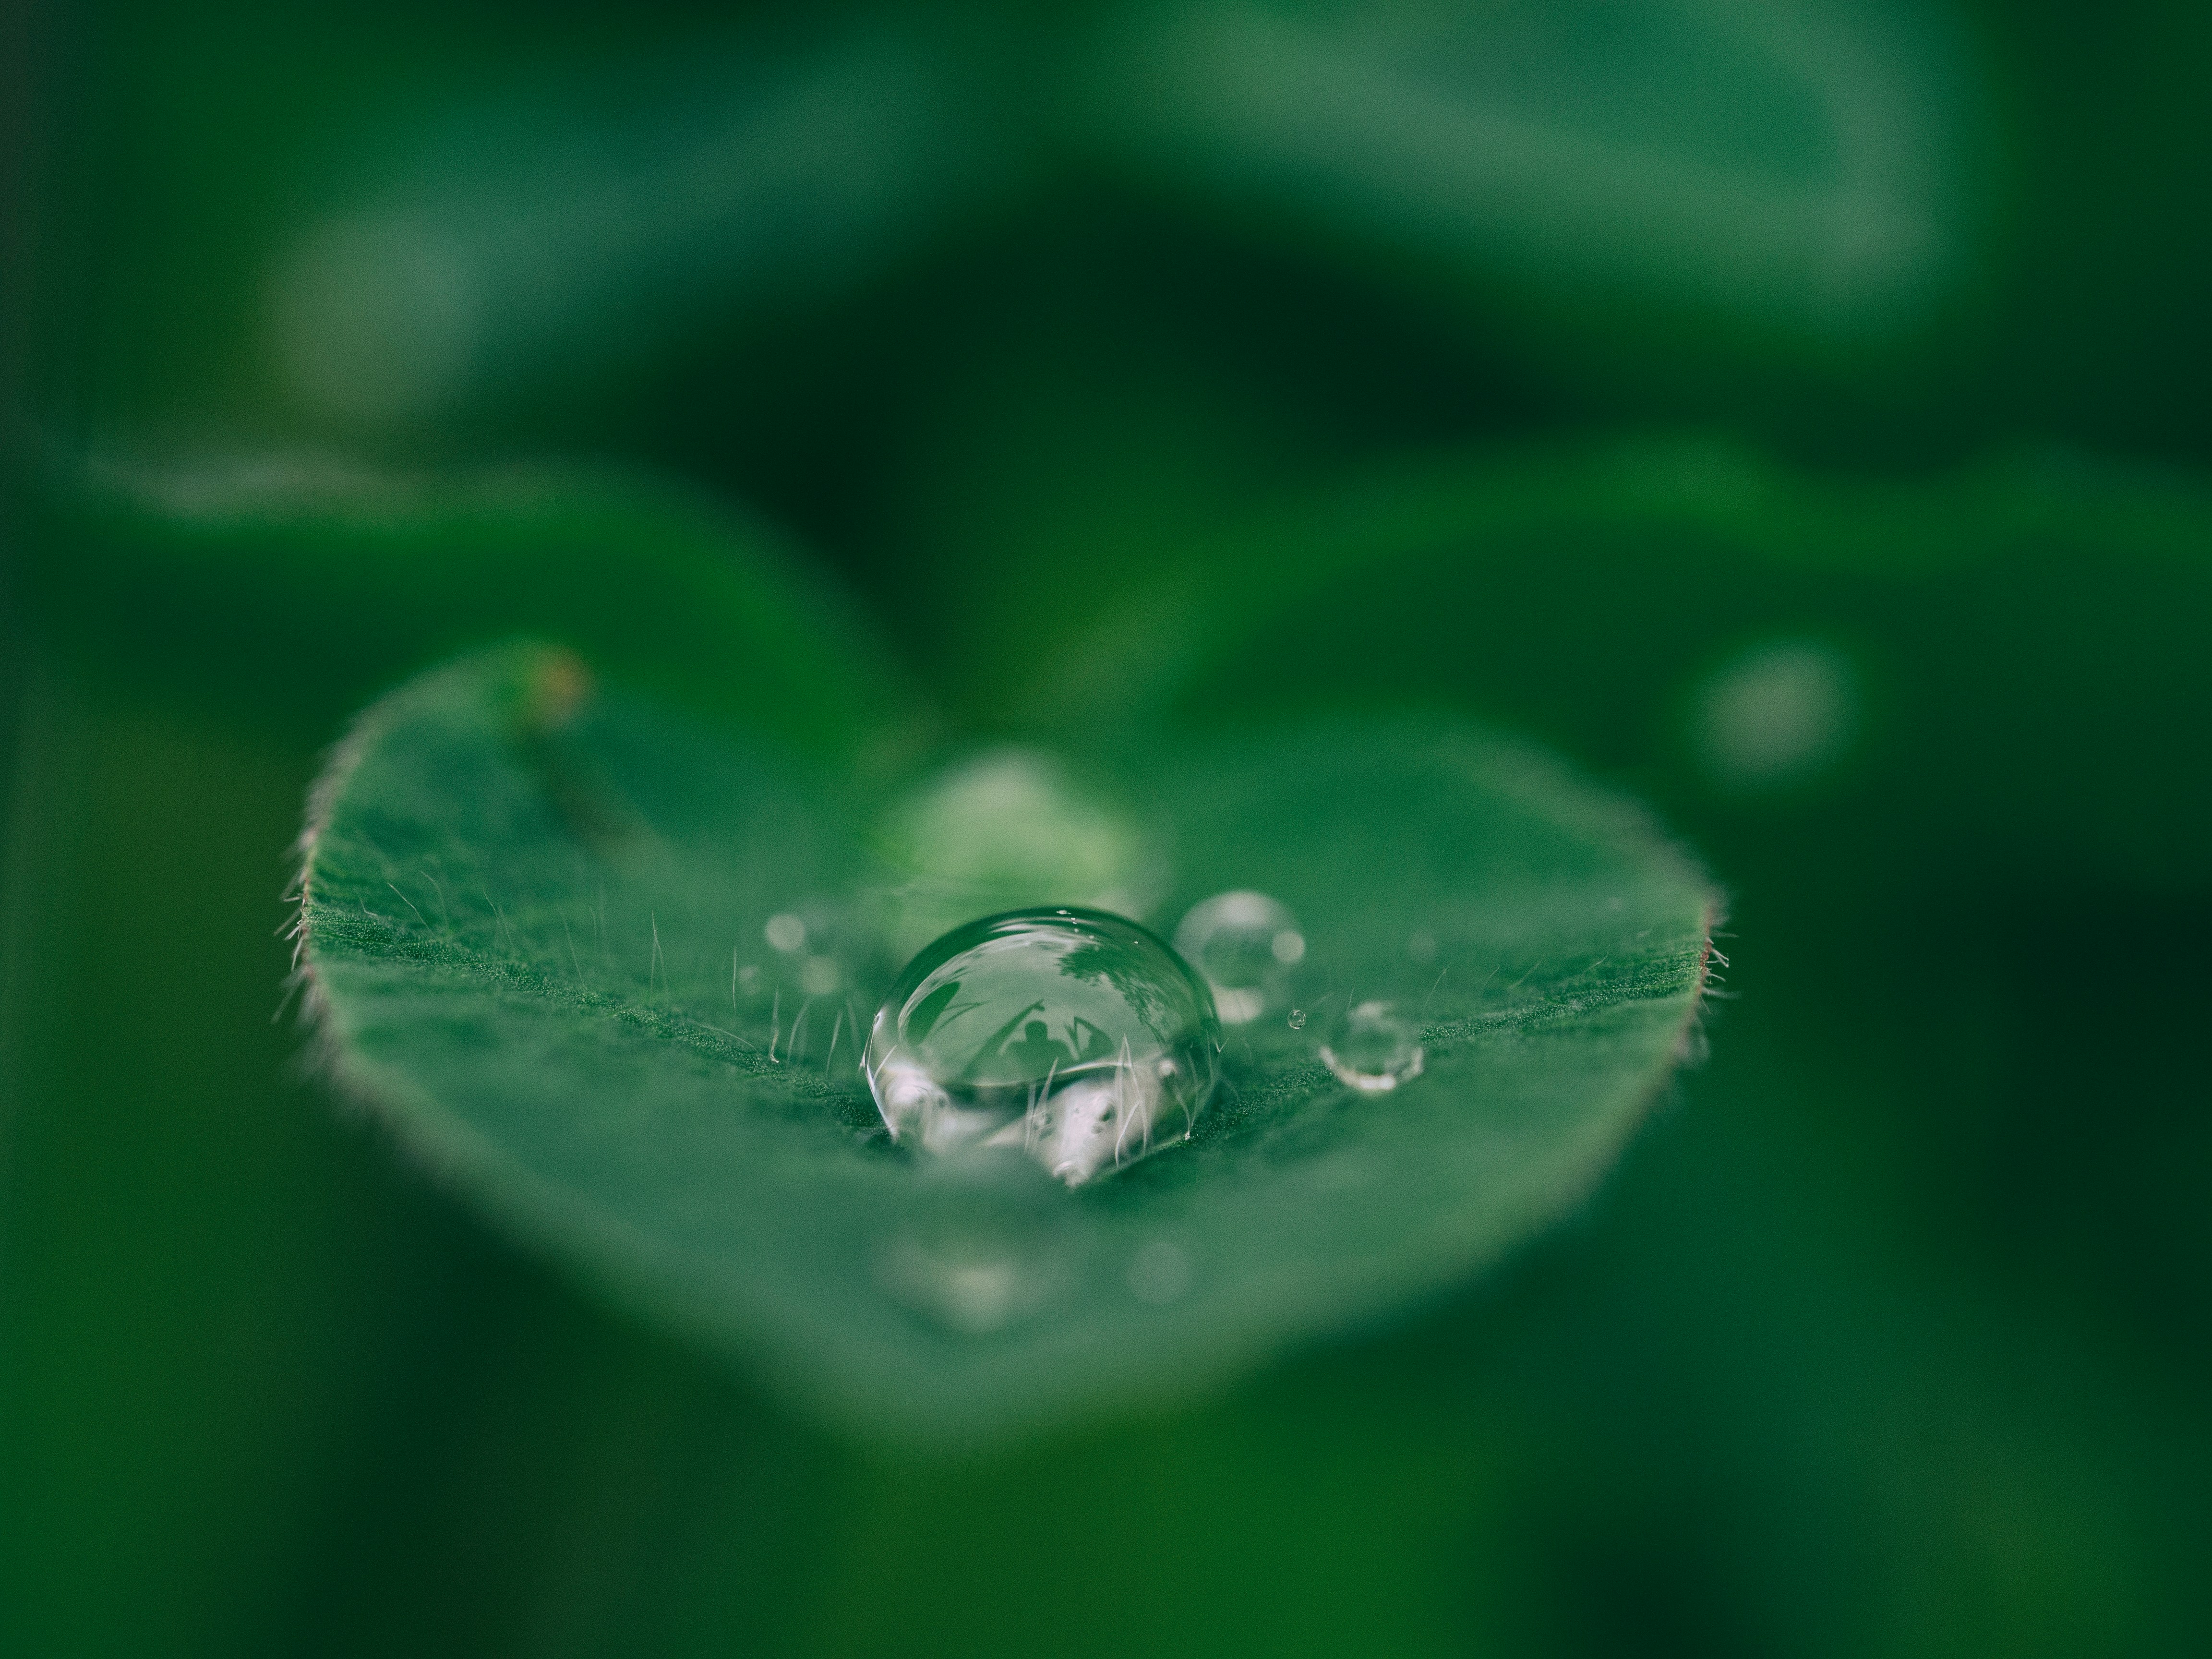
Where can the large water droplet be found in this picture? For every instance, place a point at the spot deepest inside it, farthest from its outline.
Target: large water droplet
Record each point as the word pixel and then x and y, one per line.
pixel 1074 1035
pixel 1245 944
pixel 1374 1049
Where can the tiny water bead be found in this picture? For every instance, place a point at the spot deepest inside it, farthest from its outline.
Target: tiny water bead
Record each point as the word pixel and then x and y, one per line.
pixel 1374 1049
pixel 1072 1035
pixel 1245 944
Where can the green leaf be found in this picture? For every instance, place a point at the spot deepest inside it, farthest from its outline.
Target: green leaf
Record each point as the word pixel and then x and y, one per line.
pixel 1571 153
pixel 1993 634
pixel 535 923
pixel 299 581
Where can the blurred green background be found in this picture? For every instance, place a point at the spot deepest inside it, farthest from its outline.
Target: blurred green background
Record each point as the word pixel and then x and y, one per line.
pixel 1793 412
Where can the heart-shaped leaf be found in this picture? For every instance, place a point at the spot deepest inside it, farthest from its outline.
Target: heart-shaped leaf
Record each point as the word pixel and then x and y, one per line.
pixel 610 974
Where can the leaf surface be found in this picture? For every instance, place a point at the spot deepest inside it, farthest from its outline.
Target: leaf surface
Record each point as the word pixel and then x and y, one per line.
pixel 536 922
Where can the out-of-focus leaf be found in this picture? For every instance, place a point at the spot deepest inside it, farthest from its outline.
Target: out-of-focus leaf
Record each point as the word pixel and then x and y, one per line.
pixel 519 247
pixel 1796 166
pixel 331 580
pixel 482 220
pixel 1984 643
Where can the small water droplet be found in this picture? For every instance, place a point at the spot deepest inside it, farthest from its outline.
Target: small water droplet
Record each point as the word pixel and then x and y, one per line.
pixel 1242 942
pixel 787 933
pixel 1073 1036
pixel 1374 1049
pixel 1297 1019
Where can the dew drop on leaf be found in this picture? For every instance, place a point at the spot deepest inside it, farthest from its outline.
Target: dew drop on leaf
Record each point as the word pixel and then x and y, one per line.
pixel 1073 1036
pixel 1374 1049
pixel 1245 944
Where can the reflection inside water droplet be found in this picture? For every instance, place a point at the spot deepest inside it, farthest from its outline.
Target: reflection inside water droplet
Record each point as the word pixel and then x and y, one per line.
pixel 1374 1049
pixel 1073 1036
pixel 1245 944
